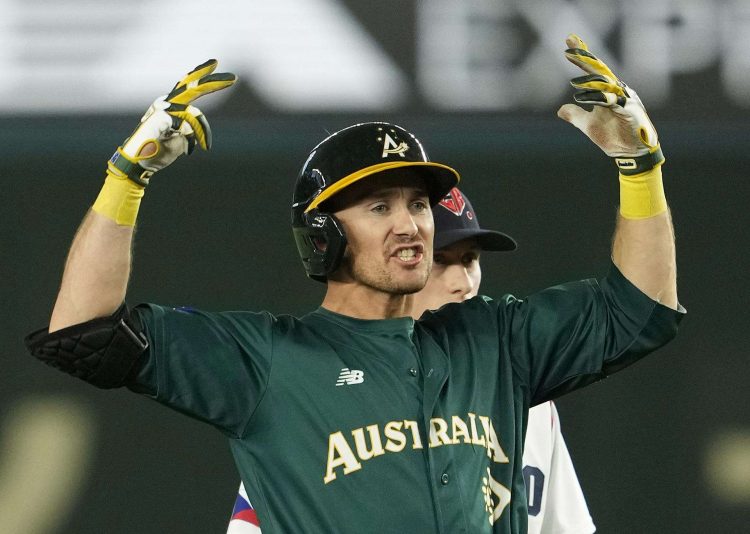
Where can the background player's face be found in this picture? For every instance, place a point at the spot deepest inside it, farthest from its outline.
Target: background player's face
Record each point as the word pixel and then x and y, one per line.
pixel 455 276
pixel 389 228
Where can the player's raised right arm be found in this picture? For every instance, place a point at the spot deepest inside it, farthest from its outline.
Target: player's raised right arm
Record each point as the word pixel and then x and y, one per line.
pixel 98 265
pixel 96 272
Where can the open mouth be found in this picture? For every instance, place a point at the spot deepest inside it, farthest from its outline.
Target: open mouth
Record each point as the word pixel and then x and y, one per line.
pixel 409 255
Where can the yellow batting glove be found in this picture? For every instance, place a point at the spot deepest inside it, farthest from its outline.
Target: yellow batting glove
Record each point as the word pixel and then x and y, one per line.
pixel 170 127
pixel 618 123
pixel 198 82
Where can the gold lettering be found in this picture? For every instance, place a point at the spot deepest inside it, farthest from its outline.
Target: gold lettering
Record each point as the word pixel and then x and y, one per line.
pixel 486 428
pixel 416 438
pixel 494 450
pixel 339 453
pixel 460 429
pixel 359 440
pixel 475 439
pixel 396 439
pixel 439 432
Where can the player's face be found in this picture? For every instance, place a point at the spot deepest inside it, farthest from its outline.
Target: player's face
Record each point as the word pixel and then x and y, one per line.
pixel 389 228
pixel 455 276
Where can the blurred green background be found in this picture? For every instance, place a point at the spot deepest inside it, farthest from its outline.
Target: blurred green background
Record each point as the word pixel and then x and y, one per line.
pixel 661 447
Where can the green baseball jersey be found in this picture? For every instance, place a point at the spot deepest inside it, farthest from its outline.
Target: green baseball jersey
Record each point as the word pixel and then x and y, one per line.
pixel 339 424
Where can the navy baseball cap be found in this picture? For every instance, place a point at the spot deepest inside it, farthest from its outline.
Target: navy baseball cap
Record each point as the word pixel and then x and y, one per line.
pixel 455 220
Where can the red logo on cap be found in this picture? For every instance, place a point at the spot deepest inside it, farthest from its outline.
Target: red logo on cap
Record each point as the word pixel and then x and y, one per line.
pixel 454 202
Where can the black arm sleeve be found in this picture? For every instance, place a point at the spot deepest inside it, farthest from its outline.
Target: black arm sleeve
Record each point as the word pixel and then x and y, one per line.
pixel 102 352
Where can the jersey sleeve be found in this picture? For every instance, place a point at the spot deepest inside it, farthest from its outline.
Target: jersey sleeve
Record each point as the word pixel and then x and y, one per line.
pixel 571 335
pixel 211 366
pixel 565 511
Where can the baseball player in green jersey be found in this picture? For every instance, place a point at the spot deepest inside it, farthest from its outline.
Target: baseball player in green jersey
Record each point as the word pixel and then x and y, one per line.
pixel 356 417
pixel 556 504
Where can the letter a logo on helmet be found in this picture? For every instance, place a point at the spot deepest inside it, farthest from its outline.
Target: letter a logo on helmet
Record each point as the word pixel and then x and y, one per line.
pixel 390 147
pixel 341 160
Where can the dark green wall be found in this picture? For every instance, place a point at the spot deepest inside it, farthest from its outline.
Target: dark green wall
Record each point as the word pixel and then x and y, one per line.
pixel 214 233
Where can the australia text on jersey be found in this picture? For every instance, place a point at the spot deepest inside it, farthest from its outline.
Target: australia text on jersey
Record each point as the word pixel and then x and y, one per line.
pixel 398 434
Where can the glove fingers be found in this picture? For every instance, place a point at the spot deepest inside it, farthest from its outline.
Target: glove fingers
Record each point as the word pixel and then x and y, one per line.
pixel 597 82
pixel 204 68
pixel 574 41
pixel 599 98
pixel 196 121
pixel 578 54
pixel 171 126
pixel 618 123
pixel 205 140
pixel 588 62
pixel 179 126
pixel 185 94
pixel 198 72
pixel 219 77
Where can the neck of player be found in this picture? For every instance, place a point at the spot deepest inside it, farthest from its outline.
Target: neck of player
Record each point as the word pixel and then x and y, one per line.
pixel 362 302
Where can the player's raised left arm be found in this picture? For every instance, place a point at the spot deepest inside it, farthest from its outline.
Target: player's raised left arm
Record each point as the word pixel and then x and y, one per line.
pixel 643 246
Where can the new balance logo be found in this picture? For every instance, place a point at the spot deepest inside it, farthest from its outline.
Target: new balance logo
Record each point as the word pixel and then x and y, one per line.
pixel 348 377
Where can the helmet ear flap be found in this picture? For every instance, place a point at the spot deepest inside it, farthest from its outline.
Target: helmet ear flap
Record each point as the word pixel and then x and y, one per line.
pixel 321 242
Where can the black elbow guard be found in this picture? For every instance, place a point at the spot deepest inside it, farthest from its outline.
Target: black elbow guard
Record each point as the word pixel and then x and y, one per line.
pixel 103 351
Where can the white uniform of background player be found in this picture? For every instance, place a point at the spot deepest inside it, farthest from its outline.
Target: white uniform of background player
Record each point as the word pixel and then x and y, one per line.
pixel 556 502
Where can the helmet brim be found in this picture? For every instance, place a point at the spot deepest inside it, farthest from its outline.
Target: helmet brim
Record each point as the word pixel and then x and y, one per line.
pixel 439 180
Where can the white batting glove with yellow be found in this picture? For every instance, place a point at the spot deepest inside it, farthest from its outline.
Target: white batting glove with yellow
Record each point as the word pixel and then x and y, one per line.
pixel 618 123
pixel 170 127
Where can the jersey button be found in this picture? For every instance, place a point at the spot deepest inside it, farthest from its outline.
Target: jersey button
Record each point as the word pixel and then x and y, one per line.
pixel 444 479
pixel 413 371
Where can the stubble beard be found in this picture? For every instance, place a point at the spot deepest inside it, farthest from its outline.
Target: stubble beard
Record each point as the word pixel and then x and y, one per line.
pixel 381 279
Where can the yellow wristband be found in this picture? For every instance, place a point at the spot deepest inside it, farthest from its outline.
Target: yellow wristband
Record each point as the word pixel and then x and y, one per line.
pixel 119 200
pixel 642 195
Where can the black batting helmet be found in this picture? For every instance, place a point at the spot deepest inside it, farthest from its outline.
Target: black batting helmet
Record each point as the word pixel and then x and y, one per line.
pixel 340 160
